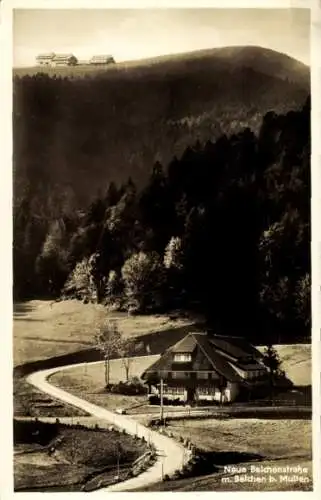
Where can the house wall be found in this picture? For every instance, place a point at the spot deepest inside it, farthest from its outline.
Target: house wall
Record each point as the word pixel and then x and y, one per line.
pixel 171 397
pixel 215 395
pixel 229 394
pixel 232 390
pixel 44 61
pixel 65 62
pixel 171 394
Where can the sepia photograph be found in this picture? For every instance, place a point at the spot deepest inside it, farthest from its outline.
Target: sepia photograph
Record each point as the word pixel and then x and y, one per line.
pixel 161 250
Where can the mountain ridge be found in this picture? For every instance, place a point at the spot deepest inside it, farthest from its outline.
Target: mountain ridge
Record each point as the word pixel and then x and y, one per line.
pixel 82 132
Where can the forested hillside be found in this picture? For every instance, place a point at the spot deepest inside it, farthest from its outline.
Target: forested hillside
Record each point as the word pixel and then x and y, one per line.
pixel 223 228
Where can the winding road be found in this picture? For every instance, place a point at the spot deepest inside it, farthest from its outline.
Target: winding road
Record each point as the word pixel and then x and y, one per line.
pixel 170 454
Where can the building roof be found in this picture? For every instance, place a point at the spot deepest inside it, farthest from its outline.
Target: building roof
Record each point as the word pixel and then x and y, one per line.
pixel 48 55
pixel 250 366
pixel 212 360
pixel 219 363
pixel 236 347
pixel 187 344
pixel 63 56
pixel 102 57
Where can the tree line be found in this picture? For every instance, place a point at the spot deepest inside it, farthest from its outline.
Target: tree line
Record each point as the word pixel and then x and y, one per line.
pixel 223 230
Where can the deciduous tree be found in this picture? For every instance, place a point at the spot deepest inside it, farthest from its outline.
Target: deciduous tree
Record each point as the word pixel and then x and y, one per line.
pixel 108 340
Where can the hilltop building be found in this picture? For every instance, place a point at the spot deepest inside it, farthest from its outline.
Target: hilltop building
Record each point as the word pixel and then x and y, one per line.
pixel 83 62
pixel 45 59
pixel 64 60
pixel 99 60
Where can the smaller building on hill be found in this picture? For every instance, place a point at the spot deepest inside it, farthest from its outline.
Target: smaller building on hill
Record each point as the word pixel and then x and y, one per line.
pixel 202 368
pixel 45 59
pixel 83 62
pixel 64 60
pixel 100 60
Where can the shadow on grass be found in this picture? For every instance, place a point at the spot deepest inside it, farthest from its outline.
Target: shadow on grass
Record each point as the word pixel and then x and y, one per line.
pixel 153 343
pixel 213 461
pixel 230 457
pixel 158 342
pixel 22 317
pixel 20 308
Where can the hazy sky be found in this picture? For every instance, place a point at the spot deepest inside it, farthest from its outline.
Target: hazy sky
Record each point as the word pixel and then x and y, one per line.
pixel 140 33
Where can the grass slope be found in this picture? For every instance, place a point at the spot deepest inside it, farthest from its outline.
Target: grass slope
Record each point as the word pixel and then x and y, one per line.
pixel 296 362
pixel 42 329
pixel 88 382
pixel 142 111
pixel 229 442
pixel 79 454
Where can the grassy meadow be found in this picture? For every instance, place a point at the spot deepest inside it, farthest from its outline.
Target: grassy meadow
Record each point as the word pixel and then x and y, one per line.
pixel 43 329
pixel 245 442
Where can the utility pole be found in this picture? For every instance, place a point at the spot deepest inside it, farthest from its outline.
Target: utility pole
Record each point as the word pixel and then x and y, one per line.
pixel 161 400
pixel 117 450
pixel 118 457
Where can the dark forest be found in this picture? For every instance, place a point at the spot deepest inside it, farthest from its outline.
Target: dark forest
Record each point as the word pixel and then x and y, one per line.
pixel 222 229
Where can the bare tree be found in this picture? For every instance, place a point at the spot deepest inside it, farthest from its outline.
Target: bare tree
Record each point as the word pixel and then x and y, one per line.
pixel 108 341
pixel 126 351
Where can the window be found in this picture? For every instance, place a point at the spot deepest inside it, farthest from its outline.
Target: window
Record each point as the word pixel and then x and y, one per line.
pixel 180 375
pixel 205 391
pixel 202 375
pixel 182 357
pixel 174 390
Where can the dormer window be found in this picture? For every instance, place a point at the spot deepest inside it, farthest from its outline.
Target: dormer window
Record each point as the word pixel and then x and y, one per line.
pixel 182 357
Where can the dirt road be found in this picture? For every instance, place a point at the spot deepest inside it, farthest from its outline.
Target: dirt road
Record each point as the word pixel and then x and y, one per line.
pixel 171 455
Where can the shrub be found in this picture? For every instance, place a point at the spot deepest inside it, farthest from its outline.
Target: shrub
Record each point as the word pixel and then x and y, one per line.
pixel 129 388
pixel 153 400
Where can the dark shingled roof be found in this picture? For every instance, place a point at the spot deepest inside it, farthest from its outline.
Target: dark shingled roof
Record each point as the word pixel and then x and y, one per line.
pixel 187 344
pixel 237 347
pixel 219 363
pixel 47 54
pixel 250 366
pixel 62 56
pixel 216 361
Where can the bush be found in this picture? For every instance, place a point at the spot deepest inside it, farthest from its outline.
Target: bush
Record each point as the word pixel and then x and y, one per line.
pixel 130 388
pixel 153 400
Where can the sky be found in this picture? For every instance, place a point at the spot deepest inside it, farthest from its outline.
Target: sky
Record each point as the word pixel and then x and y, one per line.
pixel 142 33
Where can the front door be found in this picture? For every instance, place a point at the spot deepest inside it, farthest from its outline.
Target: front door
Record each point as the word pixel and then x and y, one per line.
pixel 190 394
